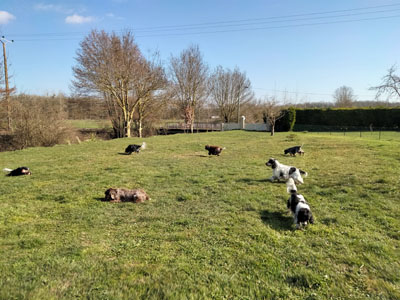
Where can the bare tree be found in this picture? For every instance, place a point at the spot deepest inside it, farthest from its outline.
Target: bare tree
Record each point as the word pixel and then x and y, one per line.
pixel 344 96
pixel 229 89
pixel 390 85
pixel 272 112
pixel 189 81
pixel 150 80
pixel 110 65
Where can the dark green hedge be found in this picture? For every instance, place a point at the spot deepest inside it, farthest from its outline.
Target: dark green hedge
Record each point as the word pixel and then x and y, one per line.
pixel 348 117
pixel 286 123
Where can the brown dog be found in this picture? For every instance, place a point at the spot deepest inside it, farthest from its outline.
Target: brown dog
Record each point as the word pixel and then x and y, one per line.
pixel 214 150
pixel 125 195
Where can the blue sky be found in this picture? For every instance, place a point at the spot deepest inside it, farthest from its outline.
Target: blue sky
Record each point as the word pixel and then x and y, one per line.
pixel 307 48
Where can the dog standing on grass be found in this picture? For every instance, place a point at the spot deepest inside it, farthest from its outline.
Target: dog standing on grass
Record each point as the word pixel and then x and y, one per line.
pixel 214 150
pixel 300 209
pixel 125 195
pixel 135 148
pixel 294 150
pixel 284 172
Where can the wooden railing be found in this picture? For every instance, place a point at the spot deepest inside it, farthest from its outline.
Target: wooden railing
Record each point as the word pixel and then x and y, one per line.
pixel 203 126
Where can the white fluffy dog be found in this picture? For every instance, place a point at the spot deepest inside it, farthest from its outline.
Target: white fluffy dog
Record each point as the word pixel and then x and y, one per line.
pixel 284 172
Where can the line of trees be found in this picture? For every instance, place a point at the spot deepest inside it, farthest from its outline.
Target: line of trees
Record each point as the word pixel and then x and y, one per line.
pixel 132 89
pixel 112 67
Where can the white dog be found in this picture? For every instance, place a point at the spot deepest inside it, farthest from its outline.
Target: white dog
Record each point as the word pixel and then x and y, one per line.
pixel 284 172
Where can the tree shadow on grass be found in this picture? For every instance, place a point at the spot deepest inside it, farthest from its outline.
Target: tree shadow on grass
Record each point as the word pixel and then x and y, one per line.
pixel 276 220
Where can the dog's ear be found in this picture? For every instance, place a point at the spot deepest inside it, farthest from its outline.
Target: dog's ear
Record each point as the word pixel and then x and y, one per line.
pixel 271 163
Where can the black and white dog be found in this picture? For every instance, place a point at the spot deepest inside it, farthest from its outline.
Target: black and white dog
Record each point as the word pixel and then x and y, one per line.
pixel 284 172
pixel 135 148
pixel 294 150
pixel 18 171
pixel 300 209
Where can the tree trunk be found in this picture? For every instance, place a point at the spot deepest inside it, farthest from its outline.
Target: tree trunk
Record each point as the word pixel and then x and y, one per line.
pixel 140 128
pixel 272 130
pixel 127 128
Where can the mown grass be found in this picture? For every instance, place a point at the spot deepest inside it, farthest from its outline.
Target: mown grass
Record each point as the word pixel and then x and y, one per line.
pixel 215 228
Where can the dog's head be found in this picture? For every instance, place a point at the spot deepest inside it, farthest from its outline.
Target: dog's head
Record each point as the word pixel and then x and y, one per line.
pixel 25 171
pixel 207 147
pixel 111 194
pixel 272 162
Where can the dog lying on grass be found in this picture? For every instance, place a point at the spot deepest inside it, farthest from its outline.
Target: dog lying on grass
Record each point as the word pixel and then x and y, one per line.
pixel 294 150
pixel 18 171
pixel 284 172
pixel 300 209
pixel 135 148
pixel 125 195
pixel 214 150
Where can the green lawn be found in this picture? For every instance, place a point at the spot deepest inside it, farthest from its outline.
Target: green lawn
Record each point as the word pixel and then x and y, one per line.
pixel 215 228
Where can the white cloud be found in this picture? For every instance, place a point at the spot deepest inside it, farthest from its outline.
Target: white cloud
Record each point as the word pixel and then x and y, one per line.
pixel 113 16
pixel 5 17
pixel 77 19
pixel 53 7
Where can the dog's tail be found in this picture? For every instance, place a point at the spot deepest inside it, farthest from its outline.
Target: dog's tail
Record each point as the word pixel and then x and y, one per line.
pixel 7 170
pixel 291 186
pixel 143 145
pixel 304 173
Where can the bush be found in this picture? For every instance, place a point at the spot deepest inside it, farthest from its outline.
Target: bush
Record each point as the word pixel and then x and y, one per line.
pixel 38 123
pixel 286 123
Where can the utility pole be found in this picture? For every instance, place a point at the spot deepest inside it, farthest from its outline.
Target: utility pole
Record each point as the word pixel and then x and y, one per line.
pixel 4 41
pixel 239 95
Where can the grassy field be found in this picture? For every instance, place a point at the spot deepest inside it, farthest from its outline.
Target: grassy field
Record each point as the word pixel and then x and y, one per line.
pixel 215 228
pixel 89 124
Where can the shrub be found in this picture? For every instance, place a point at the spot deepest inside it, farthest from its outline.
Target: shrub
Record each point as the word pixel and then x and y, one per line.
pixel 286 123
pixel 38 123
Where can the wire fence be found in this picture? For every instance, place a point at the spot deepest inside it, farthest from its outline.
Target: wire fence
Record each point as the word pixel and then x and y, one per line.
pixel 355 132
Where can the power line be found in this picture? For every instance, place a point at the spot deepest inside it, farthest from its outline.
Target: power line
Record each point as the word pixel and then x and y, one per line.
pixel 239 24
pixel 266 22
pixel 226 31
pixel 271 27
pixel 305 93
